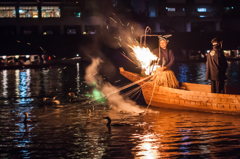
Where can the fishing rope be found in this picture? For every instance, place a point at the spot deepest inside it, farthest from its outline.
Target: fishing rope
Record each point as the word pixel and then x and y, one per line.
pixel 132 91
pixel 139 92
pixel 151 98
pixel 129 85
pixel 106 96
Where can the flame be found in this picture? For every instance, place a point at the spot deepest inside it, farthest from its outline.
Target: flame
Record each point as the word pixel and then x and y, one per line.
pixel 145 57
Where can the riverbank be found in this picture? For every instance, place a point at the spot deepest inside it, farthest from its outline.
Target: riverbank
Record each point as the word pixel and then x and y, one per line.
pixel 86 46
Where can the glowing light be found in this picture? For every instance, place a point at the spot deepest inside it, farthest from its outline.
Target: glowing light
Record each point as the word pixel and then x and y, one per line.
pixel 97 95
pixel 78 15
pixel 27 56
pixel 44 33
pixel 202 9
pixel 16 56
pixel 4 57
pixel 77 55
pixel 144 56
pixel 112 19
pixel 84 32
pixel 148 149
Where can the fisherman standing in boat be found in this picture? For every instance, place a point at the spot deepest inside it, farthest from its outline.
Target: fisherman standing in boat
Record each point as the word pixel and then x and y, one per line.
pixel 216 66
pixel 164 75
pixel 165 56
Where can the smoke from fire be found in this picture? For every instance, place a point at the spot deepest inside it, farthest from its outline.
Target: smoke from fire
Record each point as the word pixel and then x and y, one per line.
pixel 114 99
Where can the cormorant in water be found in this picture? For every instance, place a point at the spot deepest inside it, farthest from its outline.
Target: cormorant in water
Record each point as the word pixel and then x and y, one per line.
pixel 28 121
pixel 50 101
pixel 73 98
pixel 116 124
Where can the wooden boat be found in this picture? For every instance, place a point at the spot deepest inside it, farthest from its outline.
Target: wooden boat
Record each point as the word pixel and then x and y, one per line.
pixel 190 96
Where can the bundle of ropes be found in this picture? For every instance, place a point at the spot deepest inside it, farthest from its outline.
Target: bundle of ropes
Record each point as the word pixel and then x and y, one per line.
pixel 165 78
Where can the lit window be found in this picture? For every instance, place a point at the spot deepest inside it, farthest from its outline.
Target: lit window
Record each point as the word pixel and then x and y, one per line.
pixel 71 31
pixel 7 12
pixel 27 32
pixel 171 9
pixel 227 8
pixel 114 4
pixel 152 11
pixel 28 12
pixel 50 11
pixel 202 9
pixel 72 12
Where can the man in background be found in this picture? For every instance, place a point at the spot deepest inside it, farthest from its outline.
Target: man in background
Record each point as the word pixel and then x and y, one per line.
pixel 216 67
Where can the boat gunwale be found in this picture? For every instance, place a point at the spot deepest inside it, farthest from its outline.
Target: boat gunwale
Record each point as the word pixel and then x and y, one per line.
pixel 211 104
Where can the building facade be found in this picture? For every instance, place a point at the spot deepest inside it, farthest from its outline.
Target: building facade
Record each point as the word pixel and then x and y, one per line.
pixel 44 17
pixel 181 15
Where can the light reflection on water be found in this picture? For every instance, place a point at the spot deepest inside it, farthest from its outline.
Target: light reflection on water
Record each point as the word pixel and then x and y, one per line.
pixel 149 147
pixel 196 73
pixel 72 130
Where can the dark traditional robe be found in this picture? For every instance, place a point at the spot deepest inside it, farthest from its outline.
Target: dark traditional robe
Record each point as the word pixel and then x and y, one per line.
pixel 216 65
pixel 167 55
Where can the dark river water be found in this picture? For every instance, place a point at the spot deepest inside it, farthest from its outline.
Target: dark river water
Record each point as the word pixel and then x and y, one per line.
pixel 78 130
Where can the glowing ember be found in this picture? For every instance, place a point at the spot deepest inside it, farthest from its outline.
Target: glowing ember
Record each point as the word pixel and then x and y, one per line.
pixel 145 57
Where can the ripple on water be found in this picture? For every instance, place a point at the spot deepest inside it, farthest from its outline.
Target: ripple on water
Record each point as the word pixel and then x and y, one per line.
pixel 71 130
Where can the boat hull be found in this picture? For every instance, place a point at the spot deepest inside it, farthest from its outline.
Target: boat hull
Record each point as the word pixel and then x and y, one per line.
pixel 195 97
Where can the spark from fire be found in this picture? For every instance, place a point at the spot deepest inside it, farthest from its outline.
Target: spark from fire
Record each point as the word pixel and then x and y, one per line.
pixel 121 22
pixel 119 44
pixel 132 29
pixel 112 19
pixel 142 56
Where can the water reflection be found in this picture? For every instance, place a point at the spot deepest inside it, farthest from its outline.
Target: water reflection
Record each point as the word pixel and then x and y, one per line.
pixel 183 71
pixel 45 80
pixel 196 73
pixel 233 73
pixel 23 88
pixel 17 81
pixel 73 132
pixel 4 84
pixel 78 78
pixel 148 148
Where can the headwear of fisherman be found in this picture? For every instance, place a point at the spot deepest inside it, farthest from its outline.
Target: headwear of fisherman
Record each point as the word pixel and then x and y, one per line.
pixel 164 37
pixel 216 41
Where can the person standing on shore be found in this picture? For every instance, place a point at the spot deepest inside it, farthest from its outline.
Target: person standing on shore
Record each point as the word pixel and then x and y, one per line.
pixel 216 67
pixel 44 57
